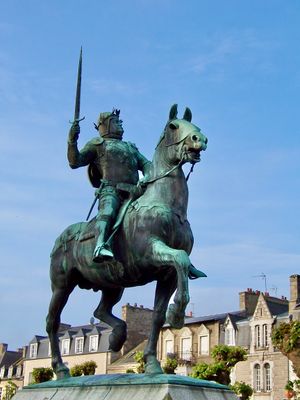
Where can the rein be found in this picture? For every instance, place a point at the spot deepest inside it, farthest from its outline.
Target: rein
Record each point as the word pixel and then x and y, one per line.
pixel 163 175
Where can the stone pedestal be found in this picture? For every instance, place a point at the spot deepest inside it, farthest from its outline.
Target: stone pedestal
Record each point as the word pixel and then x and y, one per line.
pixel 126 387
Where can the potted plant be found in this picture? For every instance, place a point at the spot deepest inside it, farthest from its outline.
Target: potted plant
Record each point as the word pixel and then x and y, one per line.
pixel 242 390
pixel 289 390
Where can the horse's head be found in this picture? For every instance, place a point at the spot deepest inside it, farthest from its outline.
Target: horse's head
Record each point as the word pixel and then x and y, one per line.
pixel 182 140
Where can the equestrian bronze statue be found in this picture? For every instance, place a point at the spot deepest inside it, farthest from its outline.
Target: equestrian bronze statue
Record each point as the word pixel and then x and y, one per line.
pixel 152 241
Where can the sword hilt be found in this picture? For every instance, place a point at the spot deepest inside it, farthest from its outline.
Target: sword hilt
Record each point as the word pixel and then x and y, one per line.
pixel 76 120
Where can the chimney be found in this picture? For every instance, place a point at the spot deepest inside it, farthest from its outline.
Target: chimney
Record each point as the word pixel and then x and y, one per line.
pixel 248 300
pixel 294 292
pixel 3 348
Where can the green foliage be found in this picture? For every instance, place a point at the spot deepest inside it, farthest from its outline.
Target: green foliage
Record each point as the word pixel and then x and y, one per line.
pixel 230 355
pixel 89 368
pixel 42 374
pixel 10 390
pixel 170 365
pixel 225 358
pixel 130 371
pixel 139 358
pixel 289 385
pixel 76 370
pixel 287 336
pixel 242 389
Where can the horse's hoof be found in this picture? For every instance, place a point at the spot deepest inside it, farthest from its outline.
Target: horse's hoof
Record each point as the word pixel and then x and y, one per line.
pixel 152 366
pixel 175 318
pixel 62 372
pixel 117 338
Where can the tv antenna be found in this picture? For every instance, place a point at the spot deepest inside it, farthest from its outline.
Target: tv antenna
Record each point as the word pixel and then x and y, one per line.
pixel 264 277
pixel 274 289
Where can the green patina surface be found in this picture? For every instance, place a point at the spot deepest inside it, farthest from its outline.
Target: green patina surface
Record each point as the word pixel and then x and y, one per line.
pixel 127 379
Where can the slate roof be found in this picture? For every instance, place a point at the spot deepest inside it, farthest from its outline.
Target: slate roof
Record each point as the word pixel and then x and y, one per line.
pixel 73 332
pixel 276 308
pixel 128 358
pixel 9 357
pixel 211 318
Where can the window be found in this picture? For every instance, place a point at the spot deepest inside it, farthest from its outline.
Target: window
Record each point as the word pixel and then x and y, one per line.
pixel 19 372
pixel 265 335
pixel 3 372
pixel 257 336
pixel 65 347
pixel 169 347
pixel 10 372
pixel 257 380
pixel 49 350
pixel 229 335
pixel 204 344
pixel 186 344
pixel 93 345
pixel 79 345
pixel 33 350
pixel 267 377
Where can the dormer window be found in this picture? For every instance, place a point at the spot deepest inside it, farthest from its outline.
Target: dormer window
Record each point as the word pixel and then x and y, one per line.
pixel 65 347
pixel 79 342
pixel 33 350
pixel 229 334
pixel 93 344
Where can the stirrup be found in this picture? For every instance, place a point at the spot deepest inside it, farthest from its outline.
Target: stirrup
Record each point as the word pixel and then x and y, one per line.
pixel 103 253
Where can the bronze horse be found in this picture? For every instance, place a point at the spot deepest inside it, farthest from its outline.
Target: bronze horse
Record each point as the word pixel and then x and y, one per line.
pixel 153 243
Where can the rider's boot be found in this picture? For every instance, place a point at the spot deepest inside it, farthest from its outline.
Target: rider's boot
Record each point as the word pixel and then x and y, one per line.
pixel 103 251
pixel 195 273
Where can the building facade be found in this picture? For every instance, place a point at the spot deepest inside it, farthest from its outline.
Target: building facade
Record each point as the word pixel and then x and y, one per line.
pixel 79 344
pixel 11 367
pixel 267 370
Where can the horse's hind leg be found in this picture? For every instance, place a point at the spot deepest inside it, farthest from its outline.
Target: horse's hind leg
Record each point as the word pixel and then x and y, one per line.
pixel 163 293
pixel 57 303
pixel 109 298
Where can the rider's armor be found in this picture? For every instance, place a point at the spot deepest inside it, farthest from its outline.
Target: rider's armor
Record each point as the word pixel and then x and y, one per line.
pixel 113 169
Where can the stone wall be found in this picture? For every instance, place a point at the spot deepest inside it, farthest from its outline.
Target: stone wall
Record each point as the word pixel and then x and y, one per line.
pixel 139 321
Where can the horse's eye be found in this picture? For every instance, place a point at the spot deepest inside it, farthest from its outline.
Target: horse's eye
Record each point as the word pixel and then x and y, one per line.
pixel 195 138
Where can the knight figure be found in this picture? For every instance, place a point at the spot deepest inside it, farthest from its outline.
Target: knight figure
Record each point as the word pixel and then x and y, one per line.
pixel 113 166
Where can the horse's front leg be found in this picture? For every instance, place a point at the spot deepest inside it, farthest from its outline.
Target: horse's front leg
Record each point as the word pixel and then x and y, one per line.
pixel 164 290
pixel 179 259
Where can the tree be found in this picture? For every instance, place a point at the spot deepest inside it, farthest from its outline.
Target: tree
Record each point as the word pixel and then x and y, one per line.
pixel 225 358
pixel 10 390
pixel 286 337
pixel 42 374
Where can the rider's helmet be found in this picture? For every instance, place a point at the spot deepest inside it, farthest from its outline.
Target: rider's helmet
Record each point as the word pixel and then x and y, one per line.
pixel 104 123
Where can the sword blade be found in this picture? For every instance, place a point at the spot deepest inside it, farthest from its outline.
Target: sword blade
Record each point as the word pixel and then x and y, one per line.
pixel 78 89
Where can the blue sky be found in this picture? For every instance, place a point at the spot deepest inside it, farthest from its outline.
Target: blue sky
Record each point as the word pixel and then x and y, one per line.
pixel 235 63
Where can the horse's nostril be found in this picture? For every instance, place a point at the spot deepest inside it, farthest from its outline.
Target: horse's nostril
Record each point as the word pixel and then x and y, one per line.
pixel 195 138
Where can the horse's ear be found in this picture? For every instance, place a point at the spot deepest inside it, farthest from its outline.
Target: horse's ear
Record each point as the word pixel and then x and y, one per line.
pixel 173 112
pixel 187 115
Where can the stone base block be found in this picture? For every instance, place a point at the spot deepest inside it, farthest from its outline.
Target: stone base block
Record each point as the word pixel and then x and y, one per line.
pixel 126 387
